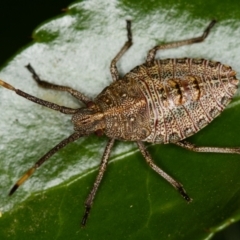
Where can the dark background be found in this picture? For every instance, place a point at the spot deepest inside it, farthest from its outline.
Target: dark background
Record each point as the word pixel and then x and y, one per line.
pixel 18 19
pixel 17 22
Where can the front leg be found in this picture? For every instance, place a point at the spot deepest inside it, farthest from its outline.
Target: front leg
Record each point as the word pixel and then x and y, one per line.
pixel 39 101
pixel 101 171
pixel 48 85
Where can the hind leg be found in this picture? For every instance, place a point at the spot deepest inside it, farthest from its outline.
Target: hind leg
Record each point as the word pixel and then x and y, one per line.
pixel 153 51
pixel 192 147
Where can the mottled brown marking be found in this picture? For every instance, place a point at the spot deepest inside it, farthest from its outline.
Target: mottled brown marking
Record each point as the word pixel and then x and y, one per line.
pixel 189 101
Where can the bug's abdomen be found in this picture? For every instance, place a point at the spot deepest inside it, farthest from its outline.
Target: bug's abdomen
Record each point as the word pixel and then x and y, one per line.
pixel 183 95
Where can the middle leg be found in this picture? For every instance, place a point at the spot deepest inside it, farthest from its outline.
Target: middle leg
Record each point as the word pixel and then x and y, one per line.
pixel 163 174
pixel 126 46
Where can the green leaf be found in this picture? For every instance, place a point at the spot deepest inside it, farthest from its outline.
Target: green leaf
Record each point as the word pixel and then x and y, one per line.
pixel 133 202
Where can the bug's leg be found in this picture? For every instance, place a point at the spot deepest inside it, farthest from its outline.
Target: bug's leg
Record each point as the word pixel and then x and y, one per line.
pixel 192 147
pixel 153 51
pixel 48 85
pixel 102 168
pixel 44 158
pixel 39 101
pixel 126 46
pixel 163 174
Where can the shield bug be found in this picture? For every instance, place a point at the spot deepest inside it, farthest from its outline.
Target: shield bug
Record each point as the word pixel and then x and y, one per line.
pixel 160 101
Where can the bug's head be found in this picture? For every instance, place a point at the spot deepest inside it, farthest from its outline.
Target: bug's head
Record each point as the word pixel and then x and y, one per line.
pixel 88 120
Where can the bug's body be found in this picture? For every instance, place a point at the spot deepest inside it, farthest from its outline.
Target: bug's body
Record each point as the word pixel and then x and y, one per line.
pixel 160 101
pixel 166 101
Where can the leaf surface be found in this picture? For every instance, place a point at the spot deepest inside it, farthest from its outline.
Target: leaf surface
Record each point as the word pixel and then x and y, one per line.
pixel 133 202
